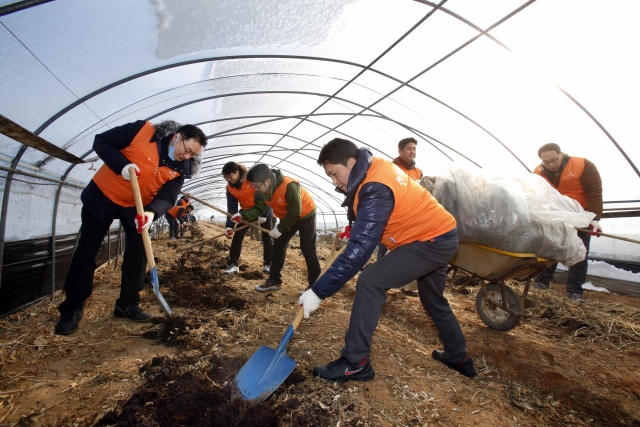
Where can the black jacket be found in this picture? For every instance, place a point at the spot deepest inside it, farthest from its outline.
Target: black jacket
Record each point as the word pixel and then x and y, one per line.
pixel 376 202
pixel 108 145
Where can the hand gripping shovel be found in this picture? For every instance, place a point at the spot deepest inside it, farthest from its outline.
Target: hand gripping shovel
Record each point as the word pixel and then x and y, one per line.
pixel 267 368
pixel 147 246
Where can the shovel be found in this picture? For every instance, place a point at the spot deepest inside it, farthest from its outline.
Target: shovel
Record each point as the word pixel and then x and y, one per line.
pixel 147 246
pixel 267 368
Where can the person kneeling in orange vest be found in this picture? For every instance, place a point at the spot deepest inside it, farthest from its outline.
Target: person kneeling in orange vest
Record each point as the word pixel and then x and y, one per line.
pixel 295 208
pixel 385 205
pixel 176 217
pixel 162 155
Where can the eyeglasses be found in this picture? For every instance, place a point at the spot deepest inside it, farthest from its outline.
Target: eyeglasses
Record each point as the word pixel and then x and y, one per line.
pixel 228 177
pixel 551 161
pixel 187 150
pixel 257 185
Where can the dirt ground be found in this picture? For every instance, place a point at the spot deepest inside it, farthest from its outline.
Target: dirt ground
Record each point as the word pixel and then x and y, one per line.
pixel 568 365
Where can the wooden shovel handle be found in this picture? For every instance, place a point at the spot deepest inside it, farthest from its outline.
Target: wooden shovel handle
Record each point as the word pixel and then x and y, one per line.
pixel 264 230
pixel 300 314
pixel 140 210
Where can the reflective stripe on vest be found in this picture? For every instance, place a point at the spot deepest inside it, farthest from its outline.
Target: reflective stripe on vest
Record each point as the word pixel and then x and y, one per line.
pixel 244 195
pixel 143 153
pixel 416 215
pixel 569 184
pixel 278 201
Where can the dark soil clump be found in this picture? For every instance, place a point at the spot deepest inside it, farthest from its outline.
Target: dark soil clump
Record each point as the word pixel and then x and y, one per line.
pixel 190 391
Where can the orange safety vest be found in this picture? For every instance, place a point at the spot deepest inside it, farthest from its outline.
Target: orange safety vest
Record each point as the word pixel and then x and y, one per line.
pixel 279 204
pixel 244 195
pixel 416 215
pixel 174 211
pixel 414 173
pixel 144 154
pixel 184 203
pixel 569 184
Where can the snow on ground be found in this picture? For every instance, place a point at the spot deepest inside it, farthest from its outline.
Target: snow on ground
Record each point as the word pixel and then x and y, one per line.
pixel 604 269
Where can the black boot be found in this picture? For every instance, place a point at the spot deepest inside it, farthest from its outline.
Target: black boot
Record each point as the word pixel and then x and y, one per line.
pixel 133 312
pixel 68 322
pixel 464 366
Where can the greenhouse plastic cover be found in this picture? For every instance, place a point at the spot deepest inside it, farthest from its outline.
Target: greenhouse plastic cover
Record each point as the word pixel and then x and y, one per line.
pixel 478 84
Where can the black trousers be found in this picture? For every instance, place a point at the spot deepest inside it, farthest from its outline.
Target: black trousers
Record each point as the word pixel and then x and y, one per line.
pixel 238 237
pixel 78 285
pixel 425 261
pixel 307 229
pixel 173 225
pixel 577 272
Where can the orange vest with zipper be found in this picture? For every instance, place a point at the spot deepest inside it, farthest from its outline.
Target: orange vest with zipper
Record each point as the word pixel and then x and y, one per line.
pixel 569 184
pixel 174 211
pixel 279 204
pixel 244 195
pixel 145 154
pixel 416 215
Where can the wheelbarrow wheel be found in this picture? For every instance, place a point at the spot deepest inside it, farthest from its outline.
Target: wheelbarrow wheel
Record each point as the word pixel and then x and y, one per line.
pixel 488 307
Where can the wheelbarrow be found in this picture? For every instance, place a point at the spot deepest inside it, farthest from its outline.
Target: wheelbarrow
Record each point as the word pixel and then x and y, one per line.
pixel 497 305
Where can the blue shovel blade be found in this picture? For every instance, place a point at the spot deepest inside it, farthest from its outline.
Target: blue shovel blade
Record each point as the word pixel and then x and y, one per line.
pixel 156 290
pixel 265 371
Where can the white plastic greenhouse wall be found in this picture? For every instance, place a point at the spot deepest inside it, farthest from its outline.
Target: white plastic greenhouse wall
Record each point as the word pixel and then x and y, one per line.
pixel 481 84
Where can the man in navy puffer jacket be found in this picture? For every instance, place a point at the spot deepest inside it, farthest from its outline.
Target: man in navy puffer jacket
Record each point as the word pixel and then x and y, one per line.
pixel 386 207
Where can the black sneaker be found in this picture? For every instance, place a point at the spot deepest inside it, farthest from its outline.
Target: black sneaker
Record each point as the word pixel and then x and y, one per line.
pixel 68 322
pixel 342 370
pixel 465 366
pixel 132 312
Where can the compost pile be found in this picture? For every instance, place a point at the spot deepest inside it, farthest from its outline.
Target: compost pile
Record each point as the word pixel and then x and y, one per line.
pixel 569 365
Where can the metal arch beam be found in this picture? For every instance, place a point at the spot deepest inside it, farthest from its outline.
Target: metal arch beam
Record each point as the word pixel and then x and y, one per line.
pixel 560 88
pixel 305 93
pixel 370 65
pixel 200 182
pixel 468 42
pixel 307 187
pixel 20 5
pixel 202 81
pixel 425 136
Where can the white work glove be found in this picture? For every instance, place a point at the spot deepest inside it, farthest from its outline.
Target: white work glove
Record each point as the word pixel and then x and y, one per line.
pixel 275 233
pixel 345 233
pixel 262 220
pixel 237 218
pixel 146 223
pixel 309 302
pixel 595 227
pixel 125 171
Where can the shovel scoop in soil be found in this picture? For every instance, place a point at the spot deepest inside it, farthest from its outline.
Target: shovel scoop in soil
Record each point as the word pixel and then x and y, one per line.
pixel 267 368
